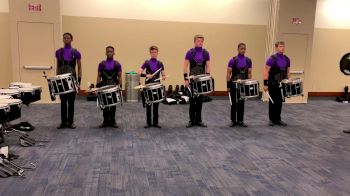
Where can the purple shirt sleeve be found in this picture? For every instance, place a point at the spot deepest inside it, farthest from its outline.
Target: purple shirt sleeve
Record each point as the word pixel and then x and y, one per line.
pixel 230 63
pixel 288 63
pixel 77 54
pixel 269 62
pixel 119 67
pixel 100 67
pixel 208 56
pixel 56 54
pixel 144 65
pixel 188 55
pixel 249 63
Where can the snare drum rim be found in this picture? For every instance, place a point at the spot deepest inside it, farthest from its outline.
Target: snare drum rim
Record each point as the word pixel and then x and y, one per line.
pixel 6 97
pixel 249 82
pixel 59 77
pixel 7 91
pixel 26 90
pixel 154 86
pixel 108 89
pixel 11 101
pixel 4 106
pixel 202 77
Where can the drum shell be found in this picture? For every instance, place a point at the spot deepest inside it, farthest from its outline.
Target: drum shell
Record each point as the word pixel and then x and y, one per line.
pixel 15 108
pixel 108 97
pixel 202 84
pixel 4 113
pixel 292 89
pixel 62 84
pixel 248 88
pixel 14 93
pixel 154 93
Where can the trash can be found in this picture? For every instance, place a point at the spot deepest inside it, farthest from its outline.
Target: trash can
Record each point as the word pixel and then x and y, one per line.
pixel 132 79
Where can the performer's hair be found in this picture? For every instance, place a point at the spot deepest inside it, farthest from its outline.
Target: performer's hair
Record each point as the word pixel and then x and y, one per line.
pixel 198 37
pixel 153 48
pixel 241 44
pixel 279 43
pixel 111 47
pixel 69 34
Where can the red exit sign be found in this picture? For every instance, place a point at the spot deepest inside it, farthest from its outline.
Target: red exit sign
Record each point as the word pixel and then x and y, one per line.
pixel 34 7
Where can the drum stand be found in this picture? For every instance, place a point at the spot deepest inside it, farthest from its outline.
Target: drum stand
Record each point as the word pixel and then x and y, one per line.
pixel 12 169
pixel 24 139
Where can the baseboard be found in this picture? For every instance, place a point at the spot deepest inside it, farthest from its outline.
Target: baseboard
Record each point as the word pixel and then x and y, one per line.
pixel 224 93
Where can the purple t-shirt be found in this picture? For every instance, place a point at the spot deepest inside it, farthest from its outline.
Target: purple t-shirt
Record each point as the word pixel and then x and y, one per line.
pixel 109 66
pixel 67 53
pixel 242 62
pixel 281 61
pixel 153 66
pixel 198 55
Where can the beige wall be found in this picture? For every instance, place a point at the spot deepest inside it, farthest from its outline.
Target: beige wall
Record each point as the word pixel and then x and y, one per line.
pixel 133 37
pixel 5 55
pixel 329 46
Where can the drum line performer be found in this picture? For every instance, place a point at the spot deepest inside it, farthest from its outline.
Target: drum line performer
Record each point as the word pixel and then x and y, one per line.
pixel 239 68
pixel 197 61
pixel 152 66
pixel 109 73
pixel 67 59
pixel 276 69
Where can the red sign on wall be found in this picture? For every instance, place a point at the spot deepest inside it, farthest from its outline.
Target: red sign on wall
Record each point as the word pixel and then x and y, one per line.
pixel 34 7
pixel 296 21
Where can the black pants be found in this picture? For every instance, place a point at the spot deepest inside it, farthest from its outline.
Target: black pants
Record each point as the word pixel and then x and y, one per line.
pixel 276 107
pixel 237 107
pixel 67 108
pixel 109 115
pixel 196 109
pixel 149 113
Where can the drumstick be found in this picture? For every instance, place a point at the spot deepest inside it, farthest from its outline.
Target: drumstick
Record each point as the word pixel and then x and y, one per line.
pixel 154 74
pixel 268 95
pixel 229 96
pixel 160 78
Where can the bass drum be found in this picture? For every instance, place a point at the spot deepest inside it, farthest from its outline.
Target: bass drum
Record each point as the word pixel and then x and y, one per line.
pixel 344 64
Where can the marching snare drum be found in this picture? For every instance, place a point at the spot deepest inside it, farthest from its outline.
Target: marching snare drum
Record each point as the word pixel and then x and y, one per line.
pixel 62 84
pixel 4 112
pixel 154 93
pixel 30 94
pixel 109 96
pixel 20 84
pixel 292 87
pixel 14 93
pixel 248 88
pixel 202 84
pixel 15 108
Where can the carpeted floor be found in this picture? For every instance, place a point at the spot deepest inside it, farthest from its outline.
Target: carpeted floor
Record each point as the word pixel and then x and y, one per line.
pixel 311 156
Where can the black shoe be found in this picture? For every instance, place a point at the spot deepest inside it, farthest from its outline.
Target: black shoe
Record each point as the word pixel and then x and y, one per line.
pixel 147 126
pixel 271 123
pixel 233 124
pixel 190 124
pixel 346 131
pixel 61 126
pixel 103 125
pixel 72 126
pixel 156 126
pixel 281 123
pixel 242 124
pixel 200 124
pixel 114 125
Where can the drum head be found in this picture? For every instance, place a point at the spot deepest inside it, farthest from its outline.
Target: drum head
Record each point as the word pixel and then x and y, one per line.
pixel 4 106
pixel 154 86
pixel 249 82
pixel 62 76
pixel 10 101
pixel 20 84
pixel 294 80
pixel 109 88
pixel 202 77
pixel 5 97
pixel 9 91
pixel 344 64
pixel 29 90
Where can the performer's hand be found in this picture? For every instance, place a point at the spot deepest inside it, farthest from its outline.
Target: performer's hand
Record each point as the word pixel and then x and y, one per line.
pixel 149 76
pixel 186 83
pixel 266 88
